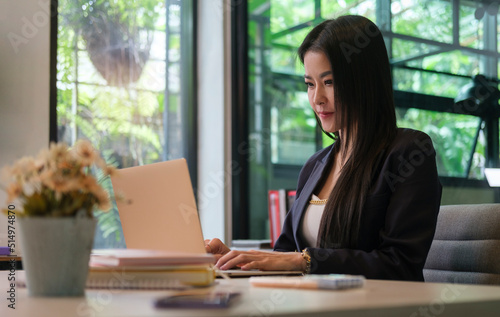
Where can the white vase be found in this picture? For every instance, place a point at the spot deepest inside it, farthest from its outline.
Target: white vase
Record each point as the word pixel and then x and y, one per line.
pixel 56 254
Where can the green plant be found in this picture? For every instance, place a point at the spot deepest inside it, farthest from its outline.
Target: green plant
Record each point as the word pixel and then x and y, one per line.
pixel 117 35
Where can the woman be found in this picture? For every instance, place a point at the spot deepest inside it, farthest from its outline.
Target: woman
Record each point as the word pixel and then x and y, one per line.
pixel 367 204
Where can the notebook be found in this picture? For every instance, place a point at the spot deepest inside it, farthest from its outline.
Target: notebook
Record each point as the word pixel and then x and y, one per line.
pixel 151 277
pixel 172 277
pixel 162 213
pixel 147 258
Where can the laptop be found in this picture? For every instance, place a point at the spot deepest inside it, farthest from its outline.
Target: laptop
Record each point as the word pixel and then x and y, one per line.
pixel 160 211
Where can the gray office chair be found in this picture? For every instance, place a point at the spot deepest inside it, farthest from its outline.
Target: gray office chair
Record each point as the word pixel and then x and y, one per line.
pixel 466 246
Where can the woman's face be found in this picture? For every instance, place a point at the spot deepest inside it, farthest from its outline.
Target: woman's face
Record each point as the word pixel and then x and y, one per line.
pixel 319 80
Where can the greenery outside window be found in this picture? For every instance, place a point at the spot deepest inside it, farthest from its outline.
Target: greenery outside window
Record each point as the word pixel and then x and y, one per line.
pixel 435 49
pixel 123 75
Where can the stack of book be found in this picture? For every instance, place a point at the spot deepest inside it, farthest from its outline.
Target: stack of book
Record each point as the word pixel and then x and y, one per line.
pixel 149 269
pixel 280 201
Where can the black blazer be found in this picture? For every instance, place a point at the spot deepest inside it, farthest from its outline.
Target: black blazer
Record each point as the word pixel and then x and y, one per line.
pixel 397 222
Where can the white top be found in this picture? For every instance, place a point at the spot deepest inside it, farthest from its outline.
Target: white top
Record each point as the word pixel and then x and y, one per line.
pixel 311 221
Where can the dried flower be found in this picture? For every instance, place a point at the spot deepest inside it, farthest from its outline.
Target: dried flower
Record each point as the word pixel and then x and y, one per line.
pixel 58 181
pixel 14 191
pixel 85 153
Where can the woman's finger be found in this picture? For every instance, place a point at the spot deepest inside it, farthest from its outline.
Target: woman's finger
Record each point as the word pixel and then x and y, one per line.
pixel 226 257
pixel 215 246
pixel 235 258
pixel 254 265
pixel 208 246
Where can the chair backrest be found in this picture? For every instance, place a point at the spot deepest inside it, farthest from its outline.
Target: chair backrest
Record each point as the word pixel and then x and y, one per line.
pixel 466 246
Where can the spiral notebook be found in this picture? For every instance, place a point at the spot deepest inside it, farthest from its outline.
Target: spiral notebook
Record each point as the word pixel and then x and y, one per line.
pixel 149 269
pixel 148 277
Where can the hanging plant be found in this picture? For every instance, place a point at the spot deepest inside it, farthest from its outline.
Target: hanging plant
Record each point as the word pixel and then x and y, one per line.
pixel 117 36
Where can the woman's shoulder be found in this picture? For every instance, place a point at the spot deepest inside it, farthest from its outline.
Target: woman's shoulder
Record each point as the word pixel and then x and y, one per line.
pixel 409 140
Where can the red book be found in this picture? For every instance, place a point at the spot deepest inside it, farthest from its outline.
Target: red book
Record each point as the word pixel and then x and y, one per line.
pixel 274 215
pixel 280 202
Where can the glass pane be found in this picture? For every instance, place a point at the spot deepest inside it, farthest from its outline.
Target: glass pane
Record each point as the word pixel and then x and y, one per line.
pixel 428 83
pixel 430 20
pixel 292 128
pixel 284 57
pixel 471 28
pixel 289 13
pixel 118 87
pixel 286 61
pixel 332 9
pixel 278 104
pixel 455 62
pixel 403 50
pixel 453 136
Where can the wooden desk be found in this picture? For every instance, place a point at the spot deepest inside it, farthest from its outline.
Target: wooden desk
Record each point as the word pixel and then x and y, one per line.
pixel 377 298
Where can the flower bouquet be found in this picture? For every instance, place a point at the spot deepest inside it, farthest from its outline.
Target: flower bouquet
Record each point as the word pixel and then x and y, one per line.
pixel 58 182
pixel 52 197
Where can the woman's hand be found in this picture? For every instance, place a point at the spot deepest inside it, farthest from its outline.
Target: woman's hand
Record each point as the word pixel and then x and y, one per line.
pixel 262 260
pixel 216 247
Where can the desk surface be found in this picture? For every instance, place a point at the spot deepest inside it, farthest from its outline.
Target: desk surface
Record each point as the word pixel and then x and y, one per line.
pixel 377 298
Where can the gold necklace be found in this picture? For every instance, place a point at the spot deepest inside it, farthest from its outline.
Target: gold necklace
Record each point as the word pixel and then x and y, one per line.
pixel 318 202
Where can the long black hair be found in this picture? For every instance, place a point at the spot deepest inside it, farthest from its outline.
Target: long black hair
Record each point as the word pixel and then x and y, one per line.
pixel 363 97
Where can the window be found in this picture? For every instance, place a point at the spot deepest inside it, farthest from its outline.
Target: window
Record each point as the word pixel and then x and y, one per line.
pixel 125 82
pixel 435 48
pixel 437 57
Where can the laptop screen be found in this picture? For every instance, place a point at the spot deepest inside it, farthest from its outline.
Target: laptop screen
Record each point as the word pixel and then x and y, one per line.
pixel 161 213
